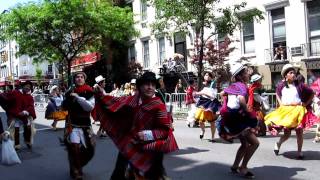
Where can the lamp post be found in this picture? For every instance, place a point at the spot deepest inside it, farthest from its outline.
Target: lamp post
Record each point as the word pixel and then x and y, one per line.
pixel 10 65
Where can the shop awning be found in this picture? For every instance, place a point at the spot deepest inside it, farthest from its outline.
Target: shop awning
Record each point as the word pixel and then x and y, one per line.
pixel 87 59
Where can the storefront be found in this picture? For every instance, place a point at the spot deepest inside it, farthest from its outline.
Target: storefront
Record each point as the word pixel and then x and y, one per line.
pixel 80 63
pixel 313 69
pixel 275 69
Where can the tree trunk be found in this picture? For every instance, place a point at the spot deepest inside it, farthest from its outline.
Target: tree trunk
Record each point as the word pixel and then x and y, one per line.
pixel 69 72
pixel 202 44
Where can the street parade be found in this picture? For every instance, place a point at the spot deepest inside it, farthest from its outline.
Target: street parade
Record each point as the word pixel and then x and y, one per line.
pixel 159 90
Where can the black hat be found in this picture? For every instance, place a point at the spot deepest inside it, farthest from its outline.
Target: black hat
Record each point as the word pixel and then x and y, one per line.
pixel 147 77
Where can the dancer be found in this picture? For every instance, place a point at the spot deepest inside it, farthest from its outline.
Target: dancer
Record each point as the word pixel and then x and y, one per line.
pixel 140 128
pixel 190 102
pixel 255 102
pixel 293 98
pixel 78 134
pixel 54 106
pixel 237 121
pixel 207 106
pixel 100 80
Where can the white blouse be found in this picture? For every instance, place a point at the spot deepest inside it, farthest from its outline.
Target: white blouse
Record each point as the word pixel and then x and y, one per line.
pixel 290 95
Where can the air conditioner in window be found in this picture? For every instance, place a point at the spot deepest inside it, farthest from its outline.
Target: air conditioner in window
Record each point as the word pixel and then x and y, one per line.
pixel 296 51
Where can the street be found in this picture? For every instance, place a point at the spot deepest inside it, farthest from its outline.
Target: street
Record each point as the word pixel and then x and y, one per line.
pixel 196 159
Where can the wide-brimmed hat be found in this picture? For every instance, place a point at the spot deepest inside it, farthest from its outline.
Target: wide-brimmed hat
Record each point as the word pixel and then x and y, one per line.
pixel 236 69
pixel 147 77
pixel 286 68
pixel 53 88
pixel 80 72
pixel 99 78
pixel 255 78
pixel 133 81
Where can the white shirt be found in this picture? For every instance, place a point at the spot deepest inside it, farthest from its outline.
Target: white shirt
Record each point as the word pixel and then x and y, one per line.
pixel 290 95
pixel 210 91
pixel 233 102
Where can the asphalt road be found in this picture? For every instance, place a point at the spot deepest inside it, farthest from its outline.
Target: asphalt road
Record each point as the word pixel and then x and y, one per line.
pixel 196 160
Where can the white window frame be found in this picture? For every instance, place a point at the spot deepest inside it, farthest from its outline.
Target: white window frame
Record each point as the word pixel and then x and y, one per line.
pixel 146 54
pixel 243 36
pixel 143 11
pixel 161 53
pixel 129 52
pixel 312 51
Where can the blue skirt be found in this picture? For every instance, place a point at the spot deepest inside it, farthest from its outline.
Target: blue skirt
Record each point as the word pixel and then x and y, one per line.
pixel 208 104
pixel 235 121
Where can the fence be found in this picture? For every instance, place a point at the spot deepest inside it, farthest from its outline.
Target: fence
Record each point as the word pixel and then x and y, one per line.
pixel 179 107
pixel 40 101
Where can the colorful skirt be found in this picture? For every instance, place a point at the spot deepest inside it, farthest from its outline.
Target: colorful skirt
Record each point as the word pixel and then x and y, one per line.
pixel 208 104
pixel 308 120
pixel 235 121
pixel 286 117
pixel 203 115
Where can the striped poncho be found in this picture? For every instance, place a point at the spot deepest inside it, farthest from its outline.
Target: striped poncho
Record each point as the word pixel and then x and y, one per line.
pixel 124 117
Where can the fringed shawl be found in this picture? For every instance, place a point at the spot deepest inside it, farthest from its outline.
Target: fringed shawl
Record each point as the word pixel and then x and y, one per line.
pixel 237 88
pixel 123 118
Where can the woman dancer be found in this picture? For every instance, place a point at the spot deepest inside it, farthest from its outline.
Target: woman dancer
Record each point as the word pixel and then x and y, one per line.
pixel 255 102
pixel 237 121
pixel 207 105
pixel 293 98
pixel 55 105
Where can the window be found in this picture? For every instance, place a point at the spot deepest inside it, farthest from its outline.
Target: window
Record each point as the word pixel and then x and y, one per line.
pixel 50 69
pixel 162 50
pixel 132 53
pixel 314 27
pixel 144 15
pixel 279 34
pixel 146 58
pixel 248 37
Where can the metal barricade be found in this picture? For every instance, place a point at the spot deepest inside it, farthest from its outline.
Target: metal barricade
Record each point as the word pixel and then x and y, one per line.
pixel 272 100
pixel 178 107
pixel 178 102
pixel 40 102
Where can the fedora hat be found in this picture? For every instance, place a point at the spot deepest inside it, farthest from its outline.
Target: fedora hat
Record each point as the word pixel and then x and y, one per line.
pixel 236 69
pixel 80 72
pixel 147 77
pixel 286 68
pixel 255 78
pixel 99 78
pixel 53 88
pixel 133 81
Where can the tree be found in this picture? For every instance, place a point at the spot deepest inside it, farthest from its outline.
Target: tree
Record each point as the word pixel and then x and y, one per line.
pixel 59 30
pixel 201 17
pixel 38 75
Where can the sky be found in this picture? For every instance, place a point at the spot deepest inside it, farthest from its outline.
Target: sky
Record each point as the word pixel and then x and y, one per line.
pixel 6 4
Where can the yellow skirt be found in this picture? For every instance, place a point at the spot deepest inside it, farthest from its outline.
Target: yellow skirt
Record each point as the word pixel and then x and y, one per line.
pixel 202 116
pixel 286 116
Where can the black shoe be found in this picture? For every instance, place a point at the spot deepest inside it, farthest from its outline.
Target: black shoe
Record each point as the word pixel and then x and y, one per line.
pixel 248 175
pixel 276 149
pixel 188 125
pixel 234 170
pixel 29 146
pixel 212 140
pixel 201 136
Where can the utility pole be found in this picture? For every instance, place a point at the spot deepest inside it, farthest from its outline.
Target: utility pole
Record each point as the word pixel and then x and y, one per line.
pixel 10 65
